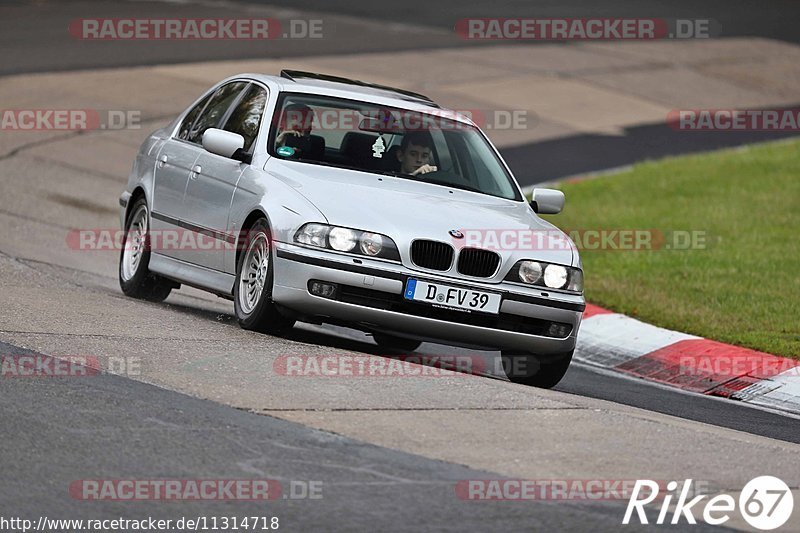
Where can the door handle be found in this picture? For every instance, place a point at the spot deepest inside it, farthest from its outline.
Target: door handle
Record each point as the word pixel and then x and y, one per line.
pixel 196 170
pixel 162 161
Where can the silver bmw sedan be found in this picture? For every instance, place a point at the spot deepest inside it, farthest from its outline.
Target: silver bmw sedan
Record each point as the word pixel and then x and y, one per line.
pixel 306 197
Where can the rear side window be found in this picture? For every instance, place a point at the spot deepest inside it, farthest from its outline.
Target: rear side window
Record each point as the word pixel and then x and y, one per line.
pixel 246 118
pixel 213 113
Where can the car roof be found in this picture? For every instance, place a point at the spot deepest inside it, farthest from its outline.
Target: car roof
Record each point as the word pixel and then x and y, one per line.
pixel 311 83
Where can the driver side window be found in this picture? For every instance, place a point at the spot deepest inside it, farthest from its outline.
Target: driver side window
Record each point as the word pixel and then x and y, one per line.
pixel 191 118
pixel 213 113
pixel 246 118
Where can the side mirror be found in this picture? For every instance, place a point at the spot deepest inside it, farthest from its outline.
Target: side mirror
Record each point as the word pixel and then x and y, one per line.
pixel 547 201
pixel 221 142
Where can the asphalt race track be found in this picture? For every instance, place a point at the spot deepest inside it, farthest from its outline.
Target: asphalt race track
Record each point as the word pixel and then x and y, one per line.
pixel 143 429
pixel 204 401
pixel 30 32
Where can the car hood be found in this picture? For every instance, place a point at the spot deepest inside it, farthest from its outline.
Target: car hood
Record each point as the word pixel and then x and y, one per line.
pixel 405 210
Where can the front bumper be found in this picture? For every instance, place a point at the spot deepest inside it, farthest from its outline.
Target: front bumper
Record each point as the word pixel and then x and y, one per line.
pixel 370 295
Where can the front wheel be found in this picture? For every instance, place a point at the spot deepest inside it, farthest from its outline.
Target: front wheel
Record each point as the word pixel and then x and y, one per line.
pixel 135 279
pixel 252 292
pixel 528 369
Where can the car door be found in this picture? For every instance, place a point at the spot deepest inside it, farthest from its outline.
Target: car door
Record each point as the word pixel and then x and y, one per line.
pixel 174 166
pixel 213 181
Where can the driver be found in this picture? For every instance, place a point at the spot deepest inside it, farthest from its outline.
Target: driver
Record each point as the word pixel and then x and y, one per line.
pixel 416 153
pixel 295 122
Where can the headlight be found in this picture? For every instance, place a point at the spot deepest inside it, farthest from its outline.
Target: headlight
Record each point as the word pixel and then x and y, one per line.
pixel 555 276
pixel 547 275
pixel 342 239
pixel 530 271
pixel 371 243
pixel 347 240
pixel 313 234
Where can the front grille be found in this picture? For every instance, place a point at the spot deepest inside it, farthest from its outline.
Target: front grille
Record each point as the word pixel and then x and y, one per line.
pixel 432 254
pixel 503 321
pixel 478 263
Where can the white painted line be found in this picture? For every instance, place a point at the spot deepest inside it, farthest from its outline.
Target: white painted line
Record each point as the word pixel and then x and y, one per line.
pixel 778 392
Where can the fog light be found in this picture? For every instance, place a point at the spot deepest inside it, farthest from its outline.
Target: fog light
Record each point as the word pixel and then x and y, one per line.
pixel 322 289
pixel 557 330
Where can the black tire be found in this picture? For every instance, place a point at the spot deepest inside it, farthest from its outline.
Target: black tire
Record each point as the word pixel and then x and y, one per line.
pixel 528 369
pixel 384 340
pixel 137 281
pixel 259 313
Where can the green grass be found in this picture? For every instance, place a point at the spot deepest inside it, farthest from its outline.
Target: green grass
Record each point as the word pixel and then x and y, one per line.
pixel 744 287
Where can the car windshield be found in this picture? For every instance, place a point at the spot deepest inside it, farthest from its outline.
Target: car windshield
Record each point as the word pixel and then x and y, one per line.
pixel 427 147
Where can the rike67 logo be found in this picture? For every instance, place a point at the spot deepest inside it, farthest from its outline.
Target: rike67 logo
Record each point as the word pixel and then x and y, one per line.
pixel 765 503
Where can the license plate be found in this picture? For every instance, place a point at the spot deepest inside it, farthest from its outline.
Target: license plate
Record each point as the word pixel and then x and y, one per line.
pixel 441 295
